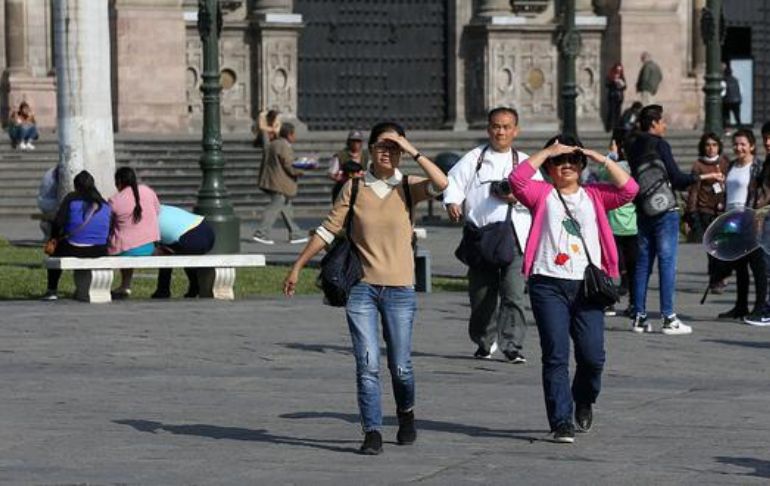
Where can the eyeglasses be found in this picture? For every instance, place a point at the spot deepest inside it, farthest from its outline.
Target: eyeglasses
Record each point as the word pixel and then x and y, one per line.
pixel 383 147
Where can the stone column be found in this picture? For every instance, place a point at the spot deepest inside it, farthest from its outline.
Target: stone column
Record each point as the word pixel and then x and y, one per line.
pixel 276 56
pixel 2 35
pixel 679 93
pixel 82 36
pixel 150 66
pixel 28 55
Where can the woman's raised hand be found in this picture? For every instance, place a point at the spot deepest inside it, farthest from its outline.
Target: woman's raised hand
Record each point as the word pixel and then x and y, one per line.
pixel 402 142
pixel 594 155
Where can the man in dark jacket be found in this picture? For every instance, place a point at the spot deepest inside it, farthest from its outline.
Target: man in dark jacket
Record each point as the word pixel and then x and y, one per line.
pixel 278 178
pixel 731 99
pixel 649 79
pixel 659 234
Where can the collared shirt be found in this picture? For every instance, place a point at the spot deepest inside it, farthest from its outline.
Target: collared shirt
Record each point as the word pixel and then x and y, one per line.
pixel 382 187
pixel 481 207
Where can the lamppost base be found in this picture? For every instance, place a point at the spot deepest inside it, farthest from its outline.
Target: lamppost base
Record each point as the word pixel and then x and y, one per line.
pixel 228 231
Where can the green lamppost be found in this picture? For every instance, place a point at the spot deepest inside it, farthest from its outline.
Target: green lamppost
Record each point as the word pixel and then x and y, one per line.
pixel 711 30
pixel 213 202
pixel 569 48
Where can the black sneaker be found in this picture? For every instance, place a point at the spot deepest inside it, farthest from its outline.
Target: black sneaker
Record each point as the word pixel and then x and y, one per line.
pixel 514 356
pixel 482 353
pixel 158 294
pixel 407 433
pixel 734 313
pixel 564 433
pixel 372 444
pixel 584 417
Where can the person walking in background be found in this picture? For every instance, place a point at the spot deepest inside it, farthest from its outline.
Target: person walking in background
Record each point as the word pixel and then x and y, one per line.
pixel 48 199
pixel 135 211
pixel 706 200
pixel 650 157
pixel 266 128
pixel 22 127
pixel 81 225
pixel 731 99
pixel 741 185
pixel 623 223
pixel 181 233
pixel 472 195
pixel 348 162
pixel 616 85
pixel 382 234
pixel 649 79
pixel 278 178
pixel 570 230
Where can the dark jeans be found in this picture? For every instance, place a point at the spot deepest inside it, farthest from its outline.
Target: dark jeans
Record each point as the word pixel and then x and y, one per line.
pixel 627 251
pixel 22 133
pixel 756 262
pixel 197 241
pixel 65 249
pixel 488 322
pixel 700 221
pixel 735 109
pixel 561 313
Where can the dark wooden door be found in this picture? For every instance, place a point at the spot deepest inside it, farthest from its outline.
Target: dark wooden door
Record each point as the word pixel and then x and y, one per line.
pixel 362 61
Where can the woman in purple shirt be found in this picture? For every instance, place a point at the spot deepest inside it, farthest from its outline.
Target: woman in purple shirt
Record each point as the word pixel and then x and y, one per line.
pixel 82 225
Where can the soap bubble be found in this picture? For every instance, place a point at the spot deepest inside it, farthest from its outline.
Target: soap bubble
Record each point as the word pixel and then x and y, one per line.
pixel 734 234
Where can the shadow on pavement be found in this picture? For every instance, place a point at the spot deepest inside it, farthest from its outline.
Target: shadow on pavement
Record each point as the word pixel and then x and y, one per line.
pixel 530 435
pixel 346 350
pixel 234 433
pixel 747 344
pixel 761 467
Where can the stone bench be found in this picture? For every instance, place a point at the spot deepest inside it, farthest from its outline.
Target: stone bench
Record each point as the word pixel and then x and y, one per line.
pixel 93 276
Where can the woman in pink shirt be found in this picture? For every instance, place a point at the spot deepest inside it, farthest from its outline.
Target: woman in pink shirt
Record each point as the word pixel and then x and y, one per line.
pixel 569 231
pixel 135 229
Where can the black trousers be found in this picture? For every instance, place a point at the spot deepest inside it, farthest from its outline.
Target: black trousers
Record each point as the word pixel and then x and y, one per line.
pixel 198 241
pixel 627 251
pixel 754 261
pixel 65 249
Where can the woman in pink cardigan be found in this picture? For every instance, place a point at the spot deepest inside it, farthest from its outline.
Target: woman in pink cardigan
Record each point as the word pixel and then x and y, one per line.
pixel 135 229
pixel 555 260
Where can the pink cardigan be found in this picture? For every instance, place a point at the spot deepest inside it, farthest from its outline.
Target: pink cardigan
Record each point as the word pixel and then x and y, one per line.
pixel 126 234
pixel 604 196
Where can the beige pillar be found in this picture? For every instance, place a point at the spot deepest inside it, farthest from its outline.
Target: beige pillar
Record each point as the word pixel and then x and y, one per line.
pixel 150 65
pixel 29 74
pixel 276 57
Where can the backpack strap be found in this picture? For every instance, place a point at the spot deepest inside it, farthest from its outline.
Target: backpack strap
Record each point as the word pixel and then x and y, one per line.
pixel 408 197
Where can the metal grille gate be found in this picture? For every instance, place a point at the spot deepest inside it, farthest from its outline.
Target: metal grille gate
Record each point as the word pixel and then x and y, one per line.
pixel 361 61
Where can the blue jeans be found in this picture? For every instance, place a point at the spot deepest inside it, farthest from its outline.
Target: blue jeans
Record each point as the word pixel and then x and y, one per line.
pixel 395 307
pixel 561 313
pixel 658 236
pixel 22 133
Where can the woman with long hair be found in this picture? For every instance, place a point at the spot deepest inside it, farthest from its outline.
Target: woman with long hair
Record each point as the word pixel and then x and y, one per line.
pixel 82 226
pixel 741 182
pixel 382 235
pixel 616 85
pixel 135 211
pixel 570 230
pixel 22 127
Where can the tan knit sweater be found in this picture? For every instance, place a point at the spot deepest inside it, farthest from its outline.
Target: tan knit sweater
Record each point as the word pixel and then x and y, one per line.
pixel 382 231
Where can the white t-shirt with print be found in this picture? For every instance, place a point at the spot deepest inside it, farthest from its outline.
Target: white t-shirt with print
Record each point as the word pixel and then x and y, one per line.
pixel 560 253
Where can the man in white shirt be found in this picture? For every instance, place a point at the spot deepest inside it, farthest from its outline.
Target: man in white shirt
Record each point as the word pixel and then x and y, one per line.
pixel 469 196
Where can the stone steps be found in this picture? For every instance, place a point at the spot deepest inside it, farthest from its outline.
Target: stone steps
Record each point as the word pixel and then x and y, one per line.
pixel 171 165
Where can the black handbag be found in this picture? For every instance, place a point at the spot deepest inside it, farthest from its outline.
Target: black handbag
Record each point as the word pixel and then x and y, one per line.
pixel 341 267
pixel 491 246
pixel 598 287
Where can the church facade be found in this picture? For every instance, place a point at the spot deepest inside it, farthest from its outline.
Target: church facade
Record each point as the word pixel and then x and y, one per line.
pixel 340 64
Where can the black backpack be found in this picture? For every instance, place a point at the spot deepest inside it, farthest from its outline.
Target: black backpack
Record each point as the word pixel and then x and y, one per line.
pixel 655 193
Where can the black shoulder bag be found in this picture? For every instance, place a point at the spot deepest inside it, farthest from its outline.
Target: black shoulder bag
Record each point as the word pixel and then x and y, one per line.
pixel 598 288
pixel 492 245
pixel 341 267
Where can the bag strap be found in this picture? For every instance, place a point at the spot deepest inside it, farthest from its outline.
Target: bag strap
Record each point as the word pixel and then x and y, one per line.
pixel 82 225
pixel 577 226
pixel 351 208
pixel 408 197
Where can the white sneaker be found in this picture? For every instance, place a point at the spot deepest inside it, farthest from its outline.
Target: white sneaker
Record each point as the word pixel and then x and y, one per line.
pixel 263 240
pixel 297 241
pixel 23 146
pixel 50 295
pixel 762 320
pixel 641 324
pixel 672 326
pixel 30 146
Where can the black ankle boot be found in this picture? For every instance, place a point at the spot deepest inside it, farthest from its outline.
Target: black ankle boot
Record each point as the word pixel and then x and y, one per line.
pixel 407 433
pixel 372 443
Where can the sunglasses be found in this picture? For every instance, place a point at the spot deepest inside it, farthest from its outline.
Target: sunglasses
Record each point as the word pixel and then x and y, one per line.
pixel 574 159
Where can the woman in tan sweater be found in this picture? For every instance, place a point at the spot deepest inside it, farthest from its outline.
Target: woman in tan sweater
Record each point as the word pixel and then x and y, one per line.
pixel 382 235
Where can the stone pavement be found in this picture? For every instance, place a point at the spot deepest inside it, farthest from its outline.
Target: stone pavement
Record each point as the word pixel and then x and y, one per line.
pixel 262 392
